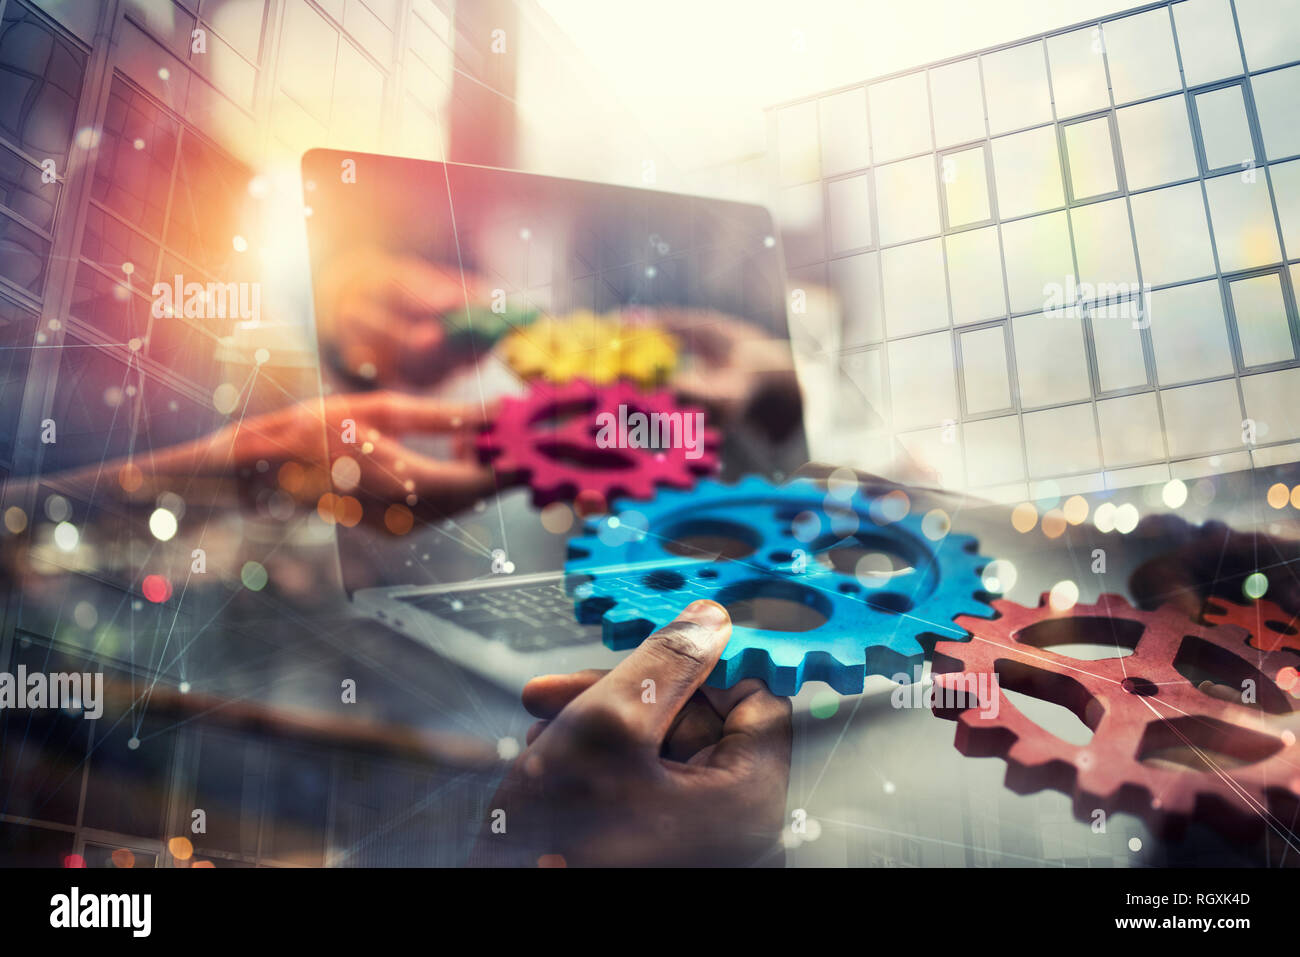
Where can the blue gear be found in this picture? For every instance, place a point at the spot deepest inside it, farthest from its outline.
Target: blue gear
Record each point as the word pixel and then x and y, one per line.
pixel 622 575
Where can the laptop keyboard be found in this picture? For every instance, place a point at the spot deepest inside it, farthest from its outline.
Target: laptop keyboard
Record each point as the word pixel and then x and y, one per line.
pixel 527 618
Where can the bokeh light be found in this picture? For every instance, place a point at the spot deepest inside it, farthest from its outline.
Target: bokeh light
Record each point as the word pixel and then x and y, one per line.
pixel 163 525
pixel 1075 509
pixel 66 536
pixel 1063 596
pixel 399 519
pixel 156 588
pixel 1174 493
pixel 1104 517
pixel 936 524
pixel 557 518
pixel 253 575
pixel 1024 517
pixel 999 576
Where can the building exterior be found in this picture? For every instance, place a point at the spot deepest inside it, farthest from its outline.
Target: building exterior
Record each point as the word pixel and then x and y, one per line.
pixel 1067 262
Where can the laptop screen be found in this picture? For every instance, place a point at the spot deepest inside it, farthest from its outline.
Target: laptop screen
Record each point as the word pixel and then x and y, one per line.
pixel 542 249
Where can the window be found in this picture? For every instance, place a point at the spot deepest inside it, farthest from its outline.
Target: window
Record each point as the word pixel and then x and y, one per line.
pixel 907 200
pixel 1117 347
pixel 111 244
pixel 957 102
pixel 1286 191
pixel 308 50
pixel 23 191
pixel 1061 441
pixel 17 327
pixel 1244 232
pixel 865 392
pixel 900 117
pixel 1270 401
pixel 133 170
pixel 1050 359
pixel 1206 34
pixel 1091 158
pixel 1173 236
pixel 975 275
pixel 1028 169
pixel 965 187
pixel 849 208
pixel 856 281
pixel 1140 54
pixel 1259 311
pixel 915 297
pixel 1130 430
pixel 1015 86
pixel 1225 131
pixel 1103 247
pixel 993 452
pixel 984 370
pixel 796 144
pixel 1156 142
pixel 845 144
pixel 799 213
pixel 40 84
pixel 921 383
pixel 1270 31
pixel 1188 333
pixel 1037 252
pixel 1078 72
pixel 1277 96
pixel 1202 418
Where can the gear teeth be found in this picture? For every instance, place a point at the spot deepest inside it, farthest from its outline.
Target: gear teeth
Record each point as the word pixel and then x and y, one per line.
pixel 1144 712
pixel 512 445
pixel 856 639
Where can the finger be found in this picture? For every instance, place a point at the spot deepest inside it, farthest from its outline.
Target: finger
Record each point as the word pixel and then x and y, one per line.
pixel 534 731
pixel 643 694
pixel 424 288
pixel 756 733
pixel 392 472
pixel 547 695
pixel 403 413
pixel 696 727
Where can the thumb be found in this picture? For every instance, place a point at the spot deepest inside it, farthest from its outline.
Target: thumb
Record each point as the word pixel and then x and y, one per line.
pixel 646 690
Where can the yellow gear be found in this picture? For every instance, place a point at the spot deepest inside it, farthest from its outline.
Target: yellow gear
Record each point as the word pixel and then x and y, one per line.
pixel 600 349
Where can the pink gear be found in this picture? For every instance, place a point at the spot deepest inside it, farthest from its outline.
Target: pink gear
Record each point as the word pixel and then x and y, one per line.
pixel 548 439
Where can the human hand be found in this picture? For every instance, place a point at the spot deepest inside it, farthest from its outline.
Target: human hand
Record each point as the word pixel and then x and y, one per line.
pixel 643 766
pixel 736 371
pixel 381 315
pixel 1212 559
pixel 349 444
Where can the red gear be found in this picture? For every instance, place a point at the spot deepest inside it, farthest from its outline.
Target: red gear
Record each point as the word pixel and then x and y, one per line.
pixel 561 459
pixel 1139 707
pixel 1270 628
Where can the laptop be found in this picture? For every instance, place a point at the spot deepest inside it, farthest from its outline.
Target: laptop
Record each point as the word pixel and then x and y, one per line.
pixel 484 588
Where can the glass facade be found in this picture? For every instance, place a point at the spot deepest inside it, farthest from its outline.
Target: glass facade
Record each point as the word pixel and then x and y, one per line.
pixel 1070 258
pixel 136 138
